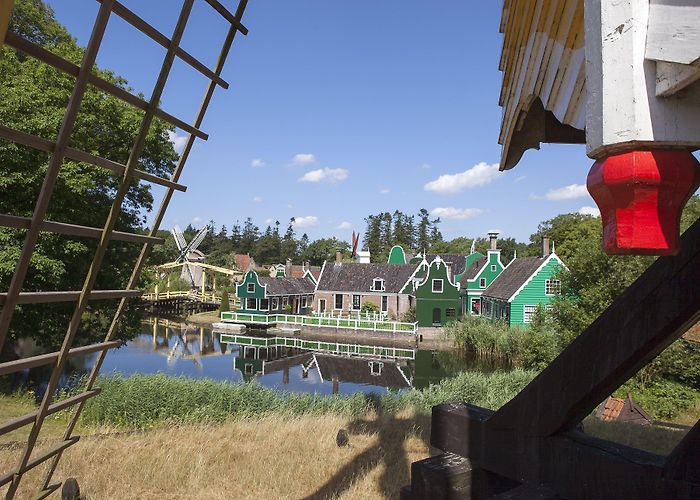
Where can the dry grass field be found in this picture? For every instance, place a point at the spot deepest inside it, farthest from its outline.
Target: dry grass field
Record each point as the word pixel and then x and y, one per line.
pixel 266 458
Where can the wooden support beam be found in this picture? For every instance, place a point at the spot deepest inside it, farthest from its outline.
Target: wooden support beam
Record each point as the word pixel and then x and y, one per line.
pixel 67 296
pixel 5 14
pixel 18 422
pixel 48 358
pixel 75 230
pixel 683 464
pixel 653 312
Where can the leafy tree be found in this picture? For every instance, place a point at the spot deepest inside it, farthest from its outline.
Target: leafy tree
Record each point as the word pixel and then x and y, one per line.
pixel 324 249
pixel 33 97
pixel 290 247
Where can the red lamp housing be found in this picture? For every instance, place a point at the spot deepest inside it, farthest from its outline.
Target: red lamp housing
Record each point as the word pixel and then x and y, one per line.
pixel 640 195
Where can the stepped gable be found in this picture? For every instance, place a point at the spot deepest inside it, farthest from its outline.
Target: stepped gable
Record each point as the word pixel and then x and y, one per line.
pixel 354 277
pixel 458 263
pixel 513 277
pixel 359 371
pixel 287 286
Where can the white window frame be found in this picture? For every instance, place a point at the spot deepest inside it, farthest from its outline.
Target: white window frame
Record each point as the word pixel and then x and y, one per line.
pixel 255 304
pixel 385 303
pixel 482 282
pixel 381 286
pixel 251 288
pixel 493 268
pixel 285 301
pixel 359 302
pixel 261 304
pixel 275 303
pixel 303 302
pixel 528 311
pixel 552 284
pixel 335 302
pixel 372 365
pixel 442 285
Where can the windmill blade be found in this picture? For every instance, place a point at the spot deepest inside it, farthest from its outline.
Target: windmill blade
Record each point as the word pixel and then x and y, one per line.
pixel 179 238
pixel 198 239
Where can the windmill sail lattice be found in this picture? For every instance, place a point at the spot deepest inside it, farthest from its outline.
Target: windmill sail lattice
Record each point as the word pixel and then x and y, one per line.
pixel 190 253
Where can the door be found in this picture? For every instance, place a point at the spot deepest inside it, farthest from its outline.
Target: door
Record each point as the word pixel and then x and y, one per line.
pixel 437 317
pixel 321 305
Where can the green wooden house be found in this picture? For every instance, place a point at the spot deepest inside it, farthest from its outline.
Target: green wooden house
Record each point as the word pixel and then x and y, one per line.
pixel 437 296
pixel 523 285
pixel 268 295
pixel 481 271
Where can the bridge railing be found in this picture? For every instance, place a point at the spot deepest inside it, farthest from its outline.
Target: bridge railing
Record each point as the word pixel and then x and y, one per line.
pixel 199 296
pixel 320 321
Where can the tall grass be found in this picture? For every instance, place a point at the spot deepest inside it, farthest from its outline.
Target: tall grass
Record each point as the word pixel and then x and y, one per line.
pixel 144 401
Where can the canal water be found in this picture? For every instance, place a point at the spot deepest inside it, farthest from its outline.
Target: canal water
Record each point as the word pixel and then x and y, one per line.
pixel 178 349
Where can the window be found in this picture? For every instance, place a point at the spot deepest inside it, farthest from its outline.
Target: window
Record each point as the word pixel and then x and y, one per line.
pixel 375 367
pixel 321 305
pixel 552 287
pixel 338 301
pixel 437 286
pixel 451 312
pixel 275 303
pixel 482 283
pixel 487 308
pixel 528 312
pixel 385 303
pixel 303 301
pixel 378 285
pixel 356 302
pixel 248 368
pixel 493 268
pixel 476 306
pixel 285 301
pixel 251 304
pixel 264 304
pixel 251 287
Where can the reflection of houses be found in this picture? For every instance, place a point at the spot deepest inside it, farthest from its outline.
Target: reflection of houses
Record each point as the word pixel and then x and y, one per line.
pixel 364 371
pixel 522 286
pixel 344 286
pixel 266 295
pixel 264 360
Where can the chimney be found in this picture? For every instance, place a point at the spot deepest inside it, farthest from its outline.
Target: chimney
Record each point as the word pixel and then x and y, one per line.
pixel 449 269
pixel 493 238
pixel 288 268
pixel 545 246
pixel 338 256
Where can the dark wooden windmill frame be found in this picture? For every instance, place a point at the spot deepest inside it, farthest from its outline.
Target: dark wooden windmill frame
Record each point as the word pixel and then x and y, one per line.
pixel 36 224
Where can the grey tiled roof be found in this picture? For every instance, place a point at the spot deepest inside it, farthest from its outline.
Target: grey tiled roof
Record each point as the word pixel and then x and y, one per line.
pixel 458 262
pixel 353 277
pixel 287 286
pixel 474 269
pixel 358 371
pixel 512 277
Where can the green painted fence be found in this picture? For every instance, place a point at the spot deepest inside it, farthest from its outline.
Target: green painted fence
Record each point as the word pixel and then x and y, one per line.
pixel 318 345
pixel 319 321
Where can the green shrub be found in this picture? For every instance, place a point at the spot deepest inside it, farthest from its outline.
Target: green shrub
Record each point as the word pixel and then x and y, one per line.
pixel 663 399
pixel 225 306
pixel 369 307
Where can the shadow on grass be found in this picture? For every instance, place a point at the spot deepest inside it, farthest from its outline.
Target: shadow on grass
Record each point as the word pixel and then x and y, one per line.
pixel 391 433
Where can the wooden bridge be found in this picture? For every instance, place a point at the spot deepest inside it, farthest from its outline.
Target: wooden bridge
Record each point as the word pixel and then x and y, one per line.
pixel 181 302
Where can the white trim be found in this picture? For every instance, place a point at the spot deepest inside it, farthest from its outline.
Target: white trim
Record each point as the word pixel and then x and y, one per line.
pixel 320 275
pixel 321 309
pixel 484 285
pixel 534 310
pixel 352 302
pixel 382 288
pixel 335 301
pixel 487 264
pixel 422 263
pixel 275 304
pixel 442 285
pixel 527 281
pixel 552 281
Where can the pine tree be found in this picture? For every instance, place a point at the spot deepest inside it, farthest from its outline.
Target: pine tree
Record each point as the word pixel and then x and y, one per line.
pixel 423 230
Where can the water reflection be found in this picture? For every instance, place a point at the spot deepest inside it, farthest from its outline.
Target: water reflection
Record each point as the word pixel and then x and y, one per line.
pixel 280 362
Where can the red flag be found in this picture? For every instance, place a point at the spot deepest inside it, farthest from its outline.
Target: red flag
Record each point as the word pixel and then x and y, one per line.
pixel 355 241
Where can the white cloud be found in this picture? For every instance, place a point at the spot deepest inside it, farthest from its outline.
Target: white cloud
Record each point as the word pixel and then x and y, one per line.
pixel 330 175
pixel 385 191
pixel 456 213
pixel 479 175
pixel 178 141
pixel 269 221
pixel 344 225
pixel 521 178
pixel 257 163
pixel 570 192
pixel 307 221
pixel 303 159
pixel 258 199
pixel 426 166
pixel 594 211
pixel 196 220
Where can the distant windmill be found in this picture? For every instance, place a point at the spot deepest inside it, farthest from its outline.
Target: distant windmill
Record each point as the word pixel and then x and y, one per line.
pixel 189 253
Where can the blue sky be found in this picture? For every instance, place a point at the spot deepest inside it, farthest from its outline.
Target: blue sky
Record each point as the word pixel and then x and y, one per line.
pixel 341 109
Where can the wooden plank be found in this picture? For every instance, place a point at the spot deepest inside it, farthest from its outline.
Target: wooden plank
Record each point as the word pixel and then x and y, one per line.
pixel 673 31
pixel 18 422
pixel 59 63
pixel 235 20
pixel 673 77
pixel 48 358
pixel 155 35
pixel 13 476
pixel 653 312
pixel 75 230
pixel 67 296
pixel 5 14
pixel 683 464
